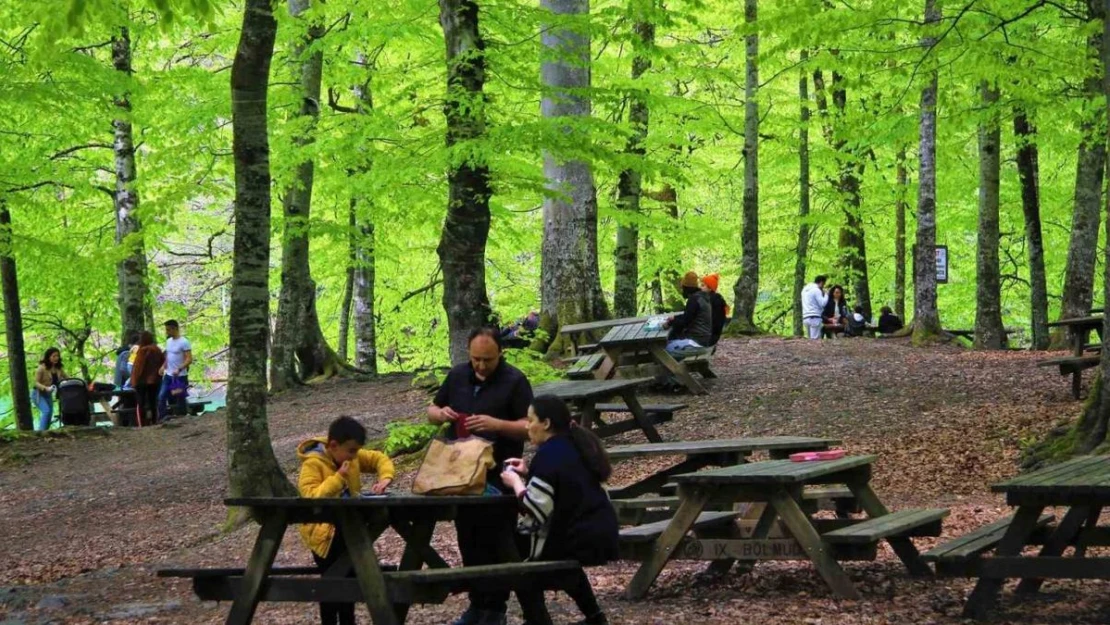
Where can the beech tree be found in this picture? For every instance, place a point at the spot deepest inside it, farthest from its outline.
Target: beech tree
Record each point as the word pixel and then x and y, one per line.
pixel 926 323
pixel 747 286
pixel 989 333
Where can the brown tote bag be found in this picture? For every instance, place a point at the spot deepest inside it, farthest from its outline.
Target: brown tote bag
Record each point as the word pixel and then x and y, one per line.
pixel 455 467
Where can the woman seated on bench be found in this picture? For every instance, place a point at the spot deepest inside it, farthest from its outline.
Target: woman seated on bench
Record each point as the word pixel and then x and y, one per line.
pixel 566 513
pixel 835 315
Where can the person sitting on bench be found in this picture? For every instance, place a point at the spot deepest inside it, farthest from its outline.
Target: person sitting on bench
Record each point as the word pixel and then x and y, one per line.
pixel 857 323
pixel 691 331
pixel 889 323
pixel 566 514
pixel 717 304
pixel 835 315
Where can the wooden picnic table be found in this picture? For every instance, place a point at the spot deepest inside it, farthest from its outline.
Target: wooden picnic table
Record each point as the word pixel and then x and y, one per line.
pixel 1079 330
pixel 586 394
pixel 639 338
pixel 573 330
pixel 1082 485
pixel 701 454
pixel 388 594
pixel 778 485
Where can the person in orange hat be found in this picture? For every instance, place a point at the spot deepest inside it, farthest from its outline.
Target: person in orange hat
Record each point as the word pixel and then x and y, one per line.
pixel 692 329
pixel 717 304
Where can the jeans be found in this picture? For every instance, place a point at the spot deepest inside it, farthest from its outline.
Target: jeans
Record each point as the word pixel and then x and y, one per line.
pixel 335 613
pixel 146 403
pixel 813 327
pixel 533 606
pixel 480 534
pixel 45 403
pixel 681 348
pixel 181 402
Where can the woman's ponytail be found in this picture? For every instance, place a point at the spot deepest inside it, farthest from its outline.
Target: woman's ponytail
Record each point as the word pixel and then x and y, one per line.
pixel 593 452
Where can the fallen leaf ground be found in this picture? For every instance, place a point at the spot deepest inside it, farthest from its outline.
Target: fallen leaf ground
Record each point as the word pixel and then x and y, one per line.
pixel 85 522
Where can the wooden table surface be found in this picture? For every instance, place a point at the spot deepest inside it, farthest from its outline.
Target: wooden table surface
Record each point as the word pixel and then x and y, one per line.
pixel 1092 321
pixel 727 445
pixel 1084 480
pixel 572 390
pixel 633 333
pixel 774 471
pixel 603 324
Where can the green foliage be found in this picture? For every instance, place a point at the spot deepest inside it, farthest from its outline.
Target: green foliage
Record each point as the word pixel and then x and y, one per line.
pixel 406 437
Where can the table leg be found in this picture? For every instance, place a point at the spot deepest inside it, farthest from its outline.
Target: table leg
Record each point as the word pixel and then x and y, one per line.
pixel 982 598
pixel 1057 542
pixel 693 501
pixel 767 517
pixel 258 567
pixel 659 352
pixel 367 568
pixel 609 364
pixel 1092 522
pixel 904 547
pixel 803 531
pixel 655 483
pixel 418 545
pixel 1078 340
pixel 638 413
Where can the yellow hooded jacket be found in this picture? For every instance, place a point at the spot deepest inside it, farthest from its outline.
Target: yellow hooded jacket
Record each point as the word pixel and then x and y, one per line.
pixel 319 478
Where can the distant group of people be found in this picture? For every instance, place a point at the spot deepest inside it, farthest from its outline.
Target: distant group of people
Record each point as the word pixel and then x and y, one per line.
pixel 826 313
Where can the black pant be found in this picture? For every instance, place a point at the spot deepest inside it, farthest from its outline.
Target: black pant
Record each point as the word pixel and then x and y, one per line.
pixel 532 604
pixel 146 398
pixel 333 613
pixel 481 534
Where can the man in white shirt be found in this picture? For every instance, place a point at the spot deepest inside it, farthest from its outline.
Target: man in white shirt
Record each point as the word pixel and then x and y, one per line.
pixel 814 299
pixel 175 372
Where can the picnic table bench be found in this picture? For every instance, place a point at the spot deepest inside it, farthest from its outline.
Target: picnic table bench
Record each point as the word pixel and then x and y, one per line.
pixel 1079 329
pixel 574 331
pixel 586 395
pixel 638 338
pixel 778 486
pixel 387 591
pixel 1083 486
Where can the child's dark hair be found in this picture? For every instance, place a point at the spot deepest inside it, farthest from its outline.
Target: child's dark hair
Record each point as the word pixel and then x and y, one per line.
pixel 346 429
pixel 858 308
pixel 886 310
pixel 554 410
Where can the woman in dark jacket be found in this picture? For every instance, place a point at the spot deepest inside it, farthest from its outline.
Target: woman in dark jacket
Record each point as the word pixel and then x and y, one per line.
pixel 566 513
pixel 835 315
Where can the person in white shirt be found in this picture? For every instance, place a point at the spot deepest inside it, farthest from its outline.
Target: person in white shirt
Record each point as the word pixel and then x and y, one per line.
pixel 814 299
pixel 175 372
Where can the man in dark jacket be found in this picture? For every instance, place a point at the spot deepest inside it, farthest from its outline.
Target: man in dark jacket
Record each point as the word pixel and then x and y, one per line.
pixel 692 330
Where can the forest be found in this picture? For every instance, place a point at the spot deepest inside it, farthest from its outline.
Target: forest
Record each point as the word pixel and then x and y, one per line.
pixel 317 188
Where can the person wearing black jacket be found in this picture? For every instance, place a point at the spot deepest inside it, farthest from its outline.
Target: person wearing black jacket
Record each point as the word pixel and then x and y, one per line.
pixel 889 323
pixel 565 512
pixel 691 332
pixel 835 315
pixel 717 305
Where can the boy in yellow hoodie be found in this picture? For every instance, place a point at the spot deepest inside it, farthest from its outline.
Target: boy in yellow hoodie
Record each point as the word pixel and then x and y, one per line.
pixel 332 467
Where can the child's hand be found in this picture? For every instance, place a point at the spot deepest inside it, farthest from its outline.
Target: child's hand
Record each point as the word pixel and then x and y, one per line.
pixel 517 465
pixel 343 468
pixel 513 480
pixel 379 487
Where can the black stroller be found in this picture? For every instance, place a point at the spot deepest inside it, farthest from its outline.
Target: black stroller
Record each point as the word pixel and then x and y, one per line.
pixel 73 402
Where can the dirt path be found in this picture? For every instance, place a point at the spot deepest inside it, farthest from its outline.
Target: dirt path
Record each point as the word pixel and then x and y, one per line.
pixel 83 523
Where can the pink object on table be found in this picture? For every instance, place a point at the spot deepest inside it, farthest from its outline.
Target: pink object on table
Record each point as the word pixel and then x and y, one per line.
pixel 811 456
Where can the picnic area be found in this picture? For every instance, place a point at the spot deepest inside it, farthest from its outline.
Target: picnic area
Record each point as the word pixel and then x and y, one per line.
pixel 91 518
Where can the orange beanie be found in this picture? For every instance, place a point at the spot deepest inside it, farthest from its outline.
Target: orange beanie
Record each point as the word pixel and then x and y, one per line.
pixel 690 279
pixel 711 281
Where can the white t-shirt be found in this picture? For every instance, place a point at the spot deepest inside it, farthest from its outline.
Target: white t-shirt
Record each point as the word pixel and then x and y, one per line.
pixel 175 355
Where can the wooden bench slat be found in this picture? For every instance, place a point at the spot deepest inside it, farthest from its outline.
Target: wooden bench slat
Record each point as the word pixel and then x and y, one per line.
pixel 886 526
pixel 584 368
pixel 620 407
pixel 195 573
pixel 1071 361
pixel 976 543
pixel 643 503
pixel 651 531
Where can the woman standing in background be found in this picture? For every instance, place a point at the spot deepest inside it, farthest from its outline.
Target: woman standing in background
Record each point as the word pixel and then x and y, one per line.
pixel 146 379
pixel 47 377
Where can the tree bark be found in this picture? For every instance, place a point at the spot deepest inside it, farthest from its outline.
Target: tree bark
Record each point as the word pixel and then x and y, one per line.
pixel 1028 174
pixel 746 290
pixel 131 269
pixel 362 213
pixel 802 250
pixel 252 468
pixel 1097 412
pixel 1079 276
pixel 626 281
pixel 926 324
pixel 348 284
pixel 462 246
pixel 988 305
pixel 300 350
pixel 902 186
pixel 13 324
pixel 570 281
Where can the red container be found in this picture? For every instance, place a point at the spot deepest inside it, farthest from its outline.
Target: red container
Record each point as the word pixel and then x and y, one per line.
pixel 461 430
pixel 812 456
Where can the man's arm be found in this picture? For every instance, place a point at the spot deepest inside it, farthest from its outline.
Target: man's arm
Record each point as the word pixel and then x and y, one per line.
pixel 188 360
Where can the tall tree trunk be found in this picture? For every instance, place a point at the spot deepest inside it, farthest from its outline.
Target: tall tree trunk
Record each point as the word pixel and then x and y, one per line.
pixel 988 304
pixel 348 284
pixel 926 324
pixel 300 350
pixel 362 230
pixel 131 269
pixel 252 468
pixel 1028 173
pixel 570 282
pixel 746 290
pixel 802 250
pixel 13 324
pixel 902 189
pixel 1079 276
pixel 462 247
pixel 626 254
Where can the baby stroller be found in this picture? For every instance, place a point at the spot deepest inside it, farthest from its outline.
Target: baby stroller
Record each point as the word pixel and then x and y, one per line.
pixel 73 402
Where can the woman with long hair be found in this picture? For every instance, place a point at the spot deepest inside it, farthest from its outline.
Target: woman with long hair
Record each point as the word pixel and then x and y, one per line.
pixel 835 314
pixel 47 376
pixel 566 514
pixel 145 378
